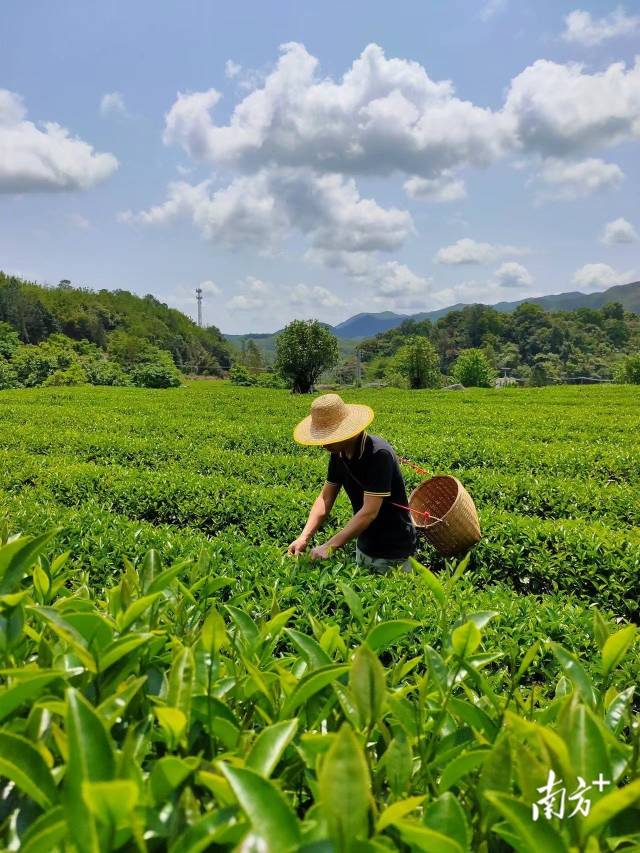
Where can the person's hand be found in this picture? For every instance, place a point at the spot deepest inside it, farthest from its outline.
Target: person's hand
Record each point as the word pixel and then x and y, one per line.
pixel 321 552
pixel 298 546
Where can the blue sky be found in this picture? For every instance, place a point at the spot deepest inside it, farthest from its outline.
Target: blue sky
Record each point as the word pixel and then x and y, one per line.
pixel 302 159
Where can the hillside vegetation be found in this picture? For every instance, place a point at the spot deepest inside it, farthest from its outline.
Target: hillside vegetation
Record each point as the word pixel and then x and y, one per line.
pixel 533 343
pixel 35 312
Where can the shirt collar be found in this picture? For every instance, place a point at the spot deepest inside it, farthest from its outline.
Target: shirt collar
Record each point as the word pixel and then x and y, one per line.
pixel 362 445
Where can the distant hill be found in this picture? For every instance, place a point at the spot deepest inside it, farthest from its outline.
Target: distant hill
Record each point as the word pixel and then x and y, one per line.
pixel 366 325
pixel 36 312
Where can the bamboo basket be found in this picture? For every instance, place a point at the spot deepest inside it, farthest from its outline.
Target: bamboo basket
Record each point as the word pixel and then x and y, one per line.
pixel 446 499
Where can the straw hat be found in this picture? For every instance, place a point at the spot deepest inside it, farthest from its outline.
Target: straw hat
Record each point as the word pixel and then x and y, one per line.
pixel 332 420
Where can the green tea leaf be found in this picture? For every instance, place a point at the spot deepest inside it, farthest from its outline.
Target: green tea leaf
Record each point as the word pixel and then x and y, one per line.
pixel 344 787
pixel 309 648
pixel 24 765
pixel 609 806
pixel 309 685
pixel 268 747
pixel 465 639
pixel 367 683
pixel 67 633
pixel 460 767
pixel 353 601
pixel 431 581
pixel 616 647
pixel 17 557
pixel 111 802
pixel 45 833
pixel 271 817
pixel 385 633
pixel 25 691
pixel 575 672
pixel 397 811
pixel 423 838
pixel 446 816
pixel 534 836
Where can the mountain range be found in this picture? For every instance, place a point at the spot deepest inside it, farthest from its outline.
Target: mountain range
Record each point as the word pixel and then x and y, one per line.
pixel 366 325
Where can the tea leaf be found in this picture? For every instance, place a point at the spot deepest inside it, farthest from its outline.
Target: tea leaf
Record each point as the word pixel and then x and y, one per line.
pixel 616 647
pixel 344 789
pixel 268 747
pixel 271 816
pixel 24 765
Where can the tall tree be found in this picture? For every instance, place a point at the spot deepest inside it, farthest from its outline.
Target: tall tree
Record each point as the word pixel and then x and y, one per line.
pixel 304 349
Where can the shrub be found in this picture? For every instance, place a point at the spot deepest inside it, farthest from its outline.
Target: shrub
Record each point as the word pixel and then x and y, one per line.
pixel 627 372
pixel 270 380
pixel 8 378
pixel 103 372
pixel 9 340
pixel 239 375
pixel 75 374
pixel 472 369
pixel 159 372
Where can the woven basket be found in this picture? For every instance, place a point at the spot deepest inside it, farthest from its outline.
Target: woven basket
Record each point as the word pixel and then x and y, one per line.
pixel 447 499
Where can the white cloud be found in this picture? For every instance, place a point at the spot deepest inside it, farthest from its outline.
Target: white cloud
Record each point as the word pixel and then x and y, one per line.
pixel 254 297
pixel 468 251
pixel 513 274
pixel 112 104
pixel 231 69
pixel 245 302
pixel 396 279
pixel 581 28
pixel 558 110
pixel 569 180
pixel 44 160
pixel 443 188
pixel 263 208
pixel 619 231
pixel 303 294
pixel 210 288
pixel 384 115
pixel 600 276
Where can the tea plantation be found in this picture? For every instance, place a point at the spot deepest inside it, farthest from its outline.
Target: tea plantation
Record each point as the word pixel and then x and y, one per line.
pixel 171 680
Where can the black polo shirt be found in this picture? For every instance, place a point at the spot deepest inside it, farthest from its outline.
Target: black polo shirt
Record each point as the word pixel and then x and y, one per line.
pixel 374 470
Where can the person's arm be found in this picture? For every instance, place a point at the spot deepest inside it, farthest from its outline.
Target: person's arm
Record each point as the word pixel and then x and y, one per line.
pixel 359 522
pixel 317 516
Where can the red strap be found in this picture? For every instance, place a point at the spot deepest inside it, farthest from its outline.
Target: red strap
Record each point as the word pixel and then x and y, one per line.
pixel 413 465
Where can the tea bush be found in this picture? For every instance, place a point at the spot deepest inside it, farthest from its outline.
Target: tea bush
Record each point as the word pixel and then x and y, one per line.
pixel 172 681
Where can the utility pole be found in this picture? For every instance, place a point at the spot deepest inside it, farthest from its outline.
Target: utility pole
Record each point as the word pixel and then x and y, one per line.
pixel 199 298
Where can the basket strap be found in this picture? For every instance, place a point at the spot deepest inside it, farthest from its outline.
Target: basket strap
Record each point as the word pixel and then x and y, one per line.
pixel 413 465
pixel 425 514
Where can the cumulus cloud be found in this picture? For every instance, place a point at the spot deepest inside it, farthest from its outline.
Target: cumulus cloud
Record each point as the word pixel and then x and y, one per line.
pixel 619 231
pixel 46 158
pixel 79 221
pixel 254 296
pixel 443 188
pixel 513 274
pixel 600 277
pixel 384 115
pixel 112 104
pixel 559 110
pixel 468 251
pixel 581 28
pixel 569 180
pixel 303 294
pixel 263 208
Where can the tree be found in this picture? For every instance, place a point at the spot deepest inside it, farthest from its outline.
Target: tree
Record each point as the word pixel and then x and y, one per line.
pixel 304 349
pixel 472 369
pixel 418 361
pixel 8 378
pixel 252 357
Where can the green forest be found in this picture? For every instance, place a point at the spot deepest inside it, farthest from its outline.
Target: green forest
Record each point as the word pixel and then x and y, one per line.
pixel 531 343
pixel 69 335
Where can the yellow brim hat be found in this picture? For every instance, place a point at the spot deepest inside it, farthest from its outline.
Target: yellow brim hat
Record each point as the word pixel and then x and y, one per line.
pixel 332 420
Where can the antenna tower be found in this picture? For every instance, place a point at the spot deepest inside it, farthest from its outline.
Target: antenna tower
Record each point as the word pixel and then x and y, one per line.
pixel 199 298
